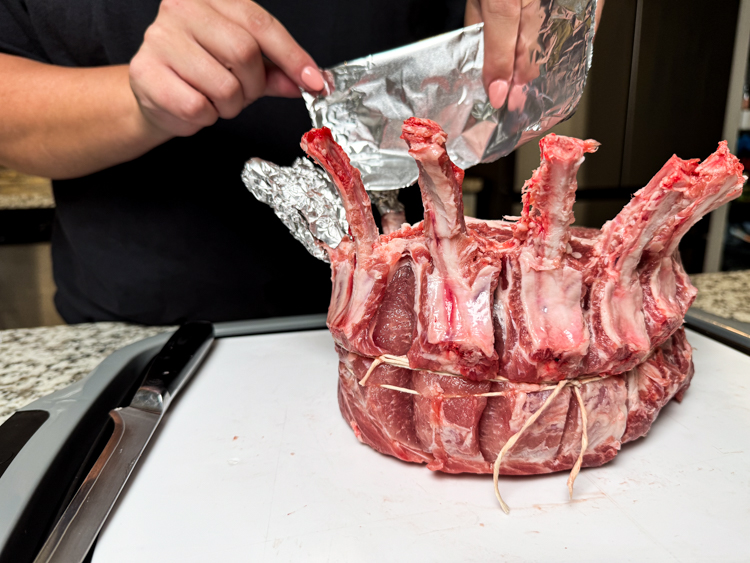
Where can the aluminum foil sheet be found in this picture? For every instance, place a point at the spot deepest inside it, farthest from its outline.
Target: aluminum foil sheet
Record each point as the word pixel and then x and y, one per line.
pixel 304 198
pixel 440 78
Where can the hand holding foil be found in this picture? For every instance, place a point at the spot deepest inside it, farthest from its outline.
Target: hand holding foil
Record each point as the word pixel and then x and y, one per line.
pixel 367 100
pixel 507 40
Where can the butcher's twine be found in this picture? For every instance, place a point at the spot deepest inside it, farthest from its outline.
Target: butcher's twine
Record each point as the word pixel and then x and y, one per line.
pixel 403 362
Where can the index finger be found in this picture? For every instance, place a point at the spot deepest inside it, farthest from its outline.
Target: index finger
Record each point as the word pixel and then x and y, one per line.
pixel 526 67
pixel 501 23
pixel 275 42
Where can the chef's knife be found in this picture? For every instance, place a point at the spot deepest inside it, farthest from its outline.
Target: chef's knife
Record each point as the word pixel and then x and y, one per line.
pixel 81 522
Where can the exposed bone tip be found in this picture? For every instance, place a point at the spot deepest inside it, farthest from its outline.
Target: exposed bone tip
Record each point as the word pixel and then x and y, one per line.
pixel 591 145
pixel 724 162
pixel 560 146
pixel 312 134
pixel 417 131
pixel 320 145
pixel 723 151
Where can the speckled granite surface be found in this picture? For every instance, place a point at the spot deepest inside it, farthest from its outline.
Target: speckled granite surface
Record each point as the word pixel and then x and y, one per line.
pixel 725 294
pixel 19 191
pixel 37 361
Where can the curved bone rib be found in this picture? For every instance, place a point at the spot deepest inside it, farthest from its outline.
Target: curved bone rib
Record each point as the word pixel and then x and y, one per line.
pixel 319 144
pixel 615 315
pixel 439 179
pixel 667 290
pixel 718 180
pixel 455 298
pixel 354 300
pixel 548 199
pixel 635 257
pixel 552 337
pixel 647 219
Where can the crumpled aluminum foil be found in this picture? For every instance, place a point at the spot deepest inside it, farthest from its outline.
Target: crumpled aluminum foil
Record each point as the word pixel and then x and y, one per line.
pixel 303 197
pixel 440 78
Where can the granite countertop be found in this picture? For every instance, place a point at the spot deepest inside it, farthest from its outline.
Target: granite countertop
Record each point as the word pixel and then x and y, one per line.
pixel 724 294
pixel 37 361
pixel 20 191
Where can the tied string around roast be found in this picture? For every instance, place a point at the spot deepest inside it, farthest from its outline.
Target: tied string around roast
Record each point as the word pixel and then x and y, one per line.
pixel 556 387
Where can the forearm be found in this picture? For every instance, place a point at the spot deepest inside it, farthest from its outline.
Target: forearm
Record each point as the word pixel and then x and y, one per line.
pixel 61 122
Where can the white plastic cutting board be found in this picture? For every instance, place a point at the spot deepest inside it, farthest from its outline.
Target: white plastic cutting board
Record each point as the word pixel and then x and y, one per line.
pixel 255 463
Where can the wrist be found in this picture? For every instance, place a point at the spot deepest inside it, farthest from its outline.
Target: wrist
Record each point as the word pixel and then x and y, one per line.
pixel 146 129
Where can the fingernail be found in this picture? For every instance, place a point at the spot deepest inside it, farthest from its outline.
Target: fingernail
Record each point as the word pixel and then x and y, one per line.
pixel 516 98
pixel 498 91
pixel 312 79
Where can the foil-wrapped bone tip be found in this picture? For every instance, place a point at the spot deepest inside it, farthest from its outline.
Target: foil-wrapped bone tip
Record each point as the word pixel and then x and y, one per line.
pixel 305 200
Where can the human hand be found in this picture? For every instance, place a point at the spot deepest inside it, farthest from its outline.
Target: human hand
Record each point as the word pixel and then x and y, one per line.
pixel 511 32
pixel 506 38
pixel 205 59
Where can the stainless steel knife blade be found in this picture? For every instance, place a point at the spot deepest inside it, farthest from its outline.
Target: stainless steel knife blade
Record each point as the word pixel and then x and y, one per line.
pixel 75 532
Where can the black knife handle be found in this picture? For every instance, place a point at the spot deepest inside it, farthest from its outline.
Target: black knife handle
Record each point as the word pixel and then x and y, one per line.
pixel 171 366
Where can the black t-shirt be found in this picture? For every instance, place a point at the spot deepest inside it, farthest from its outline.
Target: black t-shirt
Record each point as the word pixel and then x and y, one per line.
pixel 175 235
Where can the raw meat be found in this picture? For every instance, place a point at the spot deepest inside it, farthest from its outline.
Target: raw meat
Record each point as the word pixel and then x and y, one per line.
pixel 454 334
pixel 454 429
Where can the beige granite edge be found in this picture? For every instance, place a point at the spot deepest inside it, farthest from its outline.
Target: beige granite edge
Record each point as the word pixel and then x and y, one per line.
pixel 725 294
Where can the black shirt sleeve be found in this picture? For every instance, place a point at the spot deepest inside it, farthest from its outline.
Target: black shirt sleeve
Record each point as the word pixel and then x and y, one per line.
pixel 17 34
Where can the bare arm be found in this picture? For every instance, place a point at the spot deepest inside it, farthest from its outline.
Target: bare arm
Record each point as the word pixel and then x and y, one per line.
pixel 200 60
pixel 65 122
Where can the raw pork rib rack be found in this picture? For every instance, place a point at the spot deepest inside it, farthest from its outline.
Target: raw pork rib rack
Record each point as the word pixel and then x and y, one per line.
pixel 514 347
